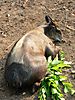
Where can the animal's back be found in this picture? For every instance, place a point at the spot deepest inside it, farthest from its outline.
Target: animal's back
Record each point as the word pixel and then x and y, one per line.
pixel 28 56
pixel 32 44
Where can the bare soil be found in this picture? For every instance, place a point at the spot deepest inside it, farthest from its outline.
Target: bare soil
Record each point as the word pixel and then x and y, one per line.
pixel 18 17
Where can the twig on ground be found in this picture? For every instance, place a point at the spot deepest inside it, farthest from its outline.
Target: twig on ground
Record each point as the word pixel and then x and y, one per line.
pixel 70 28
pixel 10 45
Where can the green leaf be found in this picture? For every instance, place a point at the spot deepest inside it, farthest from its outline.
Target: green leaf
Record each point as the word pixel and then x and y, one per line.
pixel 69 85
pixel 43 90
pixel 55 68
pixel 62 54
pixel 54 91
pixel 55 77
pixel 49 84
pixel 55 85
pixel 62 78
pixel 55 62
pixel 62 98
pixel 60 95
pixel 72 91
pixel 61 65
pixel 58 73
pixel 66 89
pixel 57 82
pixel 43 93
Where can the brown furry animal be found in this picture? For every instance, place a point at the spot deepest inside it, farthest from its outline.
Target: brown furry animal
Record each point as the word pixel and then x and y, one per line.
pixel 26 62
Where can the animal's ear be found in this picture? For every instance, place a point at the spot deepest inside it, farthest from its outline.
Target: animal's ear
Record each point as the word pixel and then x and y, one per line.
pixel 48 19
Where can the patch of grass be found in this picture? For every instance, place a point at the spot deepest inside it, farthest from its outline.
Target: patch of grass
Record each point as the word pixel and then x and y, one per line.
pixel 55 84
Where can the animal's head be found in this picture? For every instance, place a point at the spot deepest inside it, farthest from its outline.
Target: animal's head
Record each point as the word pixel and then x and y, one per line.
pixel 52 31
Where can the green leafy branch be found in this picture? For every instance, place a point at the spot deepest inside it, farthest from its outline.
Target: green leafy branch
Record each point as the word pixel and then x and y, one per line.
pixel 51 85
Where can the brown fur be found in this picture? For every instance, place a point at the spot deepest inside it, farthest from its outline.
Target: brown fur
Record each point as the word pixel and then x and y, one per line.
pixel 27 61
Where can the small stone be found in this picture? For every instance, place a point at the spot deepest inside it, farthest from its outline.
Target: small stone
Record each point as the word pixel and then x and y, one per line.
pixel 73 71
pixel 7 15
pixel 23 93
pixel 4 35
pixel 13 3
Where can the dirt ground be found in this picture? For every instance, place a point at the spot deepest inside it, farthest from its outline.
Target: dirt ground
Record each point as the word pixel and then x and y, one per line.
pixel 19 16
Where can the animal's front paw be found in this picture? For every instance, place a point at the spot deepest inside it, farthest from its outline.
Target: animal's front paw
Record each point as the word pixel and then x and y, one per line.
pixel 35 87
